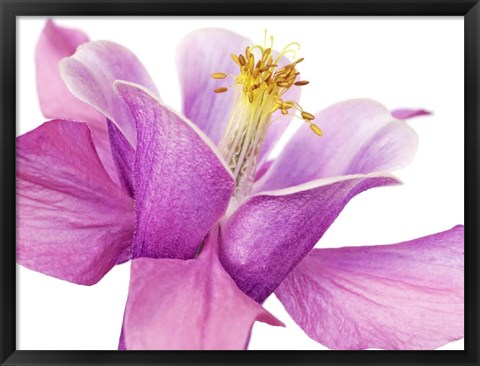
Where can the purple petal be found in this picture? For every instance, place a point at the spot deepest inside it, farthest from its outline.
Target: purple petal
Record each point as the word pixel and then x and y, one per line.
pixel 409 113
pixel 359 137
pixel 182 186
pixel 123 155
pixel 73 222
pixel 271 233
pixel 400 296
pixel 90 73
pixel 199 55
pixel 56 101
pixel 188 305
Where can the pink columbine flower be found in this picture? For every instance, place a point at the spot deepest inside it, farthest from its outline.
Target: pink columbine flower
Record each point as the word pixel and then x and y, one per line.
pixel 212 227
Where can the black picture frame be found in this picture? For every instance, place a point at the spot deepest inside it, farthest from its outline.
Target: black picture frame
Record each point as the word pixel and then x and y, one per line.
pixel 10 9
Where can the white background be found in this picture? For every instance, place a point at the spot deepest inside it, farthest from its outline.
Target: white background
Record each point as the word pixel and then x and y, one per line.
pixel 401 62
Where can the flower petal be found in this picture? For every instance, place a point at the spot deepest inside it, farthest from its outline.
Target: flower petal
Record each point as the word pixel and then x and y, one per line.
pixel 271 233
pixel 182 185
pixel 199 55
pixel 56 101
pixel 401 296
pixel 215 314
pixel 409 113
pixel 73 221
pixel 360 137
pixel 90 73
pixel 124 156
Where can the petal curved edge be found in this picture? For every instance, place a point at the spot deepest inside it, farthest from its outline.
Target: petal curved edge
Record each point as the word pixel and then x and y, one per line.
pixel 215 314
pixel 360 136
pixel 406 113
pixel 400 296
pixel 271 233
pixel 182 184
pixel 90 73
pixel 73 221
pixel 123 155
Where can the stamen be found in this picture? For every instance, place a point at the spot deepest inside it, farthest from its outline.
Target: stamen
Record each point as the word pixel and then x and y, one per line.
pixel 219 75
pixel 260 86
pixel 298 61
pixel 235 59
pixel 241 60
pixel 301 82
pixel 316 129
pixel 307 116
pixel 265 55
pixel 221 90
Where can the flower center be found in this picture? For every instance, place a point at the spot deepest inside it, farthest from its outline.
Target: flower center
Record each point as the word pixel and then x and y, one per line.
pixel 259 90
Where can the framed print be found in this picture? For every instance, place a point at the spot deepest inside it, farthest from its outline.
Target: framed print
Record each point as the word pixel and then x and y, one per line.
pixel 293 182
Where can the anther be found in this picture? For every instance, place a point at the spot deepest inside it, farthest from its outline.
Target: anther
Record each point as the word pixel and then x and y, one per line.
pixel 219 75
pixel 301 82
pixel 316 129
pixel 298 61
pixel 250 65
pixel 266 53
pixel 307 116
pixel 220 90
pixel 235 59
pixel 241 60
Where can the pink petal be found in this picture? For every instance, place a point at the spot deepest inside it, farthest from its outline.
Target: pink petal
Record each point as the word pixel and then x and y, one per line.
pixel 90 73
pixel 194 304
pixel 359 136
pixel 399 296
pixel 182 185
pixel 409 113
pixel 271 233
pixel 56 101
pixel 72 220
pixel 199 55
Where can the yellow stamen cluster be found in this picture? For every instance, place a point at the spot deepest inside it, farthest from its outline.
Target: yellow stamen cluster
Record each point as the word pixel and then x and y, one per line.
pixel 260 87
pixel 262 82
